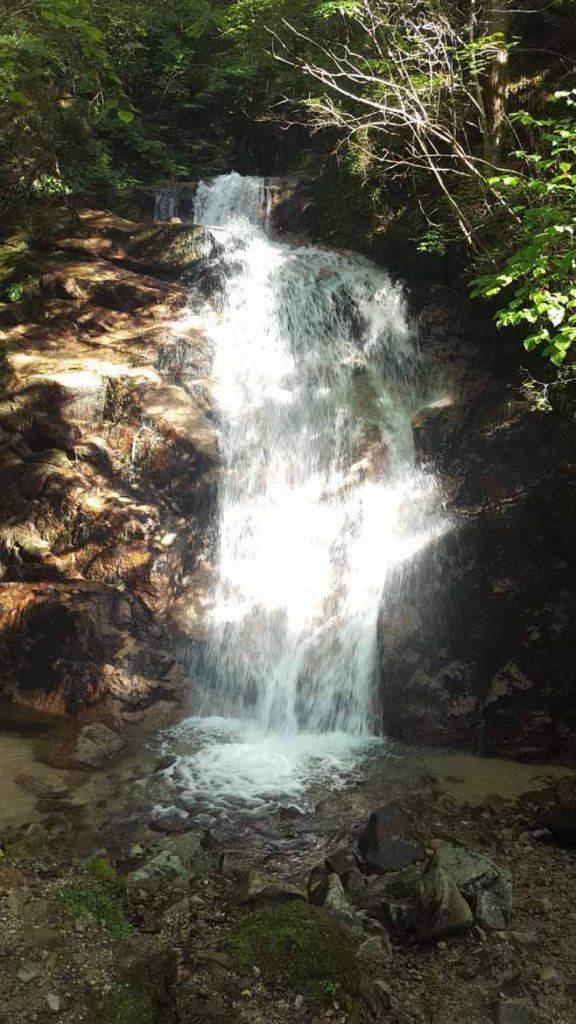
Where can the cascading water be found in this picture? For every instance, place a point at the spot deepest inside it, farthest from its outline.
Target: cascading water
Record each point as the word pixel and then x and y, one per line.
pixel 172 202
pixel 317 376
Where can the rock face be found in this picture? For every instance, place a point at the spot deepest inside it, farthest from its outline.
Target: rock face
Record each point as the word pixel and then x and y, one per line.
pixel 478 650
pixel 107 472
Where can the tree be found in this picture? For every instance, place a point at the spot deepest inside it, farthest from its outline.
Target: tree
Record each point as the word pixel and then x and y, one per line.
pixel 416 87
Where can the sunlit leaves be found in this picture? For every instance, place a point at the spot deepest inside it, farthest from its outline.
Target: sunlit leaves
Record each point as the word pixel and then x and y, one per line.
pixel 539 277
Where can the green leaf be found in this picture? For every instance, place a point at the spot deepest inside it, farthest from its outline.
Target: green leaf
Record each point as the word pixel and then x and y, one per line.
pixel 126 116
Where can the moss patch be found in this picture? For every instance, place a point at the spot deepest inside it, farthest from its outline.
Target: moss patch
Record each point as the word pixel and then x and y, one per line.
pixel 301 947
pixel 102 895
pixel 124 1004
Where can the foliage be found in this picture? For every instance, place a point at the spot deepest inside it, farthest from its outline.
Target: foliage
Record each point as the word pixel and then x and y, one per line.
pixel 101 895
pixel 538 280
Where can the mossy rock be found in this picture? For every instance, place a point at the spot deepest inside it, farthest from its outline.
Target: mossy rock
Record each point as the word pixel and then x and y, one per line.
pixel 300 947
pixel 124 1004
pixel 101 894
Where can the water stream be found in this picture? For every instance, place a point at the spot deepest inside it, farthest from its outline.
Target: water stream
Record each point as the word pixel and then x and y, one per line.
pixel 317 376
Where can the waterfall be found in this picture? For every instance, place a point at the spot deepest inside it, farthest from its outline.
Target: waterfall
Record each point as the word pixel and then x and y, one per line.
pixel 172 202
pixel 317 375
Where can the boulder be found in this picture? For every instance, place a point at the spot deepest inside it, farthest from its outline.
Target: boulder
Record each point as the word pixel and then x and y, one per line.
pixel 488 913
pixel 326 890
pixel 475 874
pixel 165 870
pixel 386 843
pixel 342 861
pixel 258 887
pixel 170 249
pixel 443 911
pixel 374 954
pixel 90 747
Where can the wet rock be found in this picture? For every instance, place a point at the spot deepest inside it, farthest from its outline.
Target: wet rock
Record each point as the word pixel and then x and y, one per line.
pixel 90 747
pixel 170 249
pixel 386 843
pixel 258 887
pixel 515 1011
pixel 171 824
pixel 443 910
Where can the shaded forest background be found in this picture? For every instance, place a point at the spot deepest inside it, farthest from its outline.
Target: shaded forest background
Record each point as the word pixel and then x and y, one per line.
pixel 447 124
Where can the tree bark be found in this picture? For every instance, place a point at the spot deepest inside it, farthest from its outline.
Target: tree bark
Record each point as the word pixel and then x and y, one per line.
pixel 496 23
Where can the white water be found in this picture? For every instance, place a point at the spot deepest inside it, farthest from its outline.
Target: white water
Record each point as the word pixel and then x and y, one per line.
pixel 317 376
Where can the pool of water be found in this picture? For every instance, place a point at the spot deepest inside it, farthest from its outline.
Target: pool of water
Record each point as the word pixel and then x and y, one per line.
pixel 205 770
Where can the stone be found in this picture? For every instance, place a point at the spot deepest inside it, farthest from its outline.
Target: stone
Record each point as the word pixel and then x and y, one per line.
pixel 54 1002
pixel 515 1011
pixel 335 899
pixel 10 878
pixel 488 914
pixel 258 887
pixel 27 973
pixel 386 842
pixel 374 955
pixel 326 890
pixel 342 862
pixel 474 873
pixel 443 910
pixel 549 975
pixel 377 994
pixel 298 1002
pixel 170 249
pixel 524 939
pixel 164 870
pixel 90 747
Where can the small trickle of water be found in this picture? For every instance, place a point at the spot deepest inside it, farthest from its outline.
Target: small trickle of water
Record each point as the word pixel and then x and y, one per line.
pixel 172 202
pixel 317 377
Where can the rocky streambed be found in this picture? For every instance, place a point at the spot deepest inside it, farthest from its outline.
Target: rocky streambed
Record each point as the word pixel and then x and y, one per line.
pixel 432 887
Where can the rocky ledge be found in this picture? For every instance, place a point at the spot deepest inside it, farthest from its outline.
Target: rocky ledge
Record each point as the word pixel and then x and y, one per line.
pixel 108 467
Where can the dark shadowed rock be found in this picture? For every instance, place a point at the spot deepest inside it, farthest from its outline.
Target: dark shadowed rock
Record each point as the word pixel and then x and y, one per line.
pixel 386 843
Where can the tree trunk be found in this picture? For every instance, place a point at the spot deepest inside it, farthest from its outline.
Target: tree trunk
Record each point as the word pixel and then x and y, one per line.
pixel 495 86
